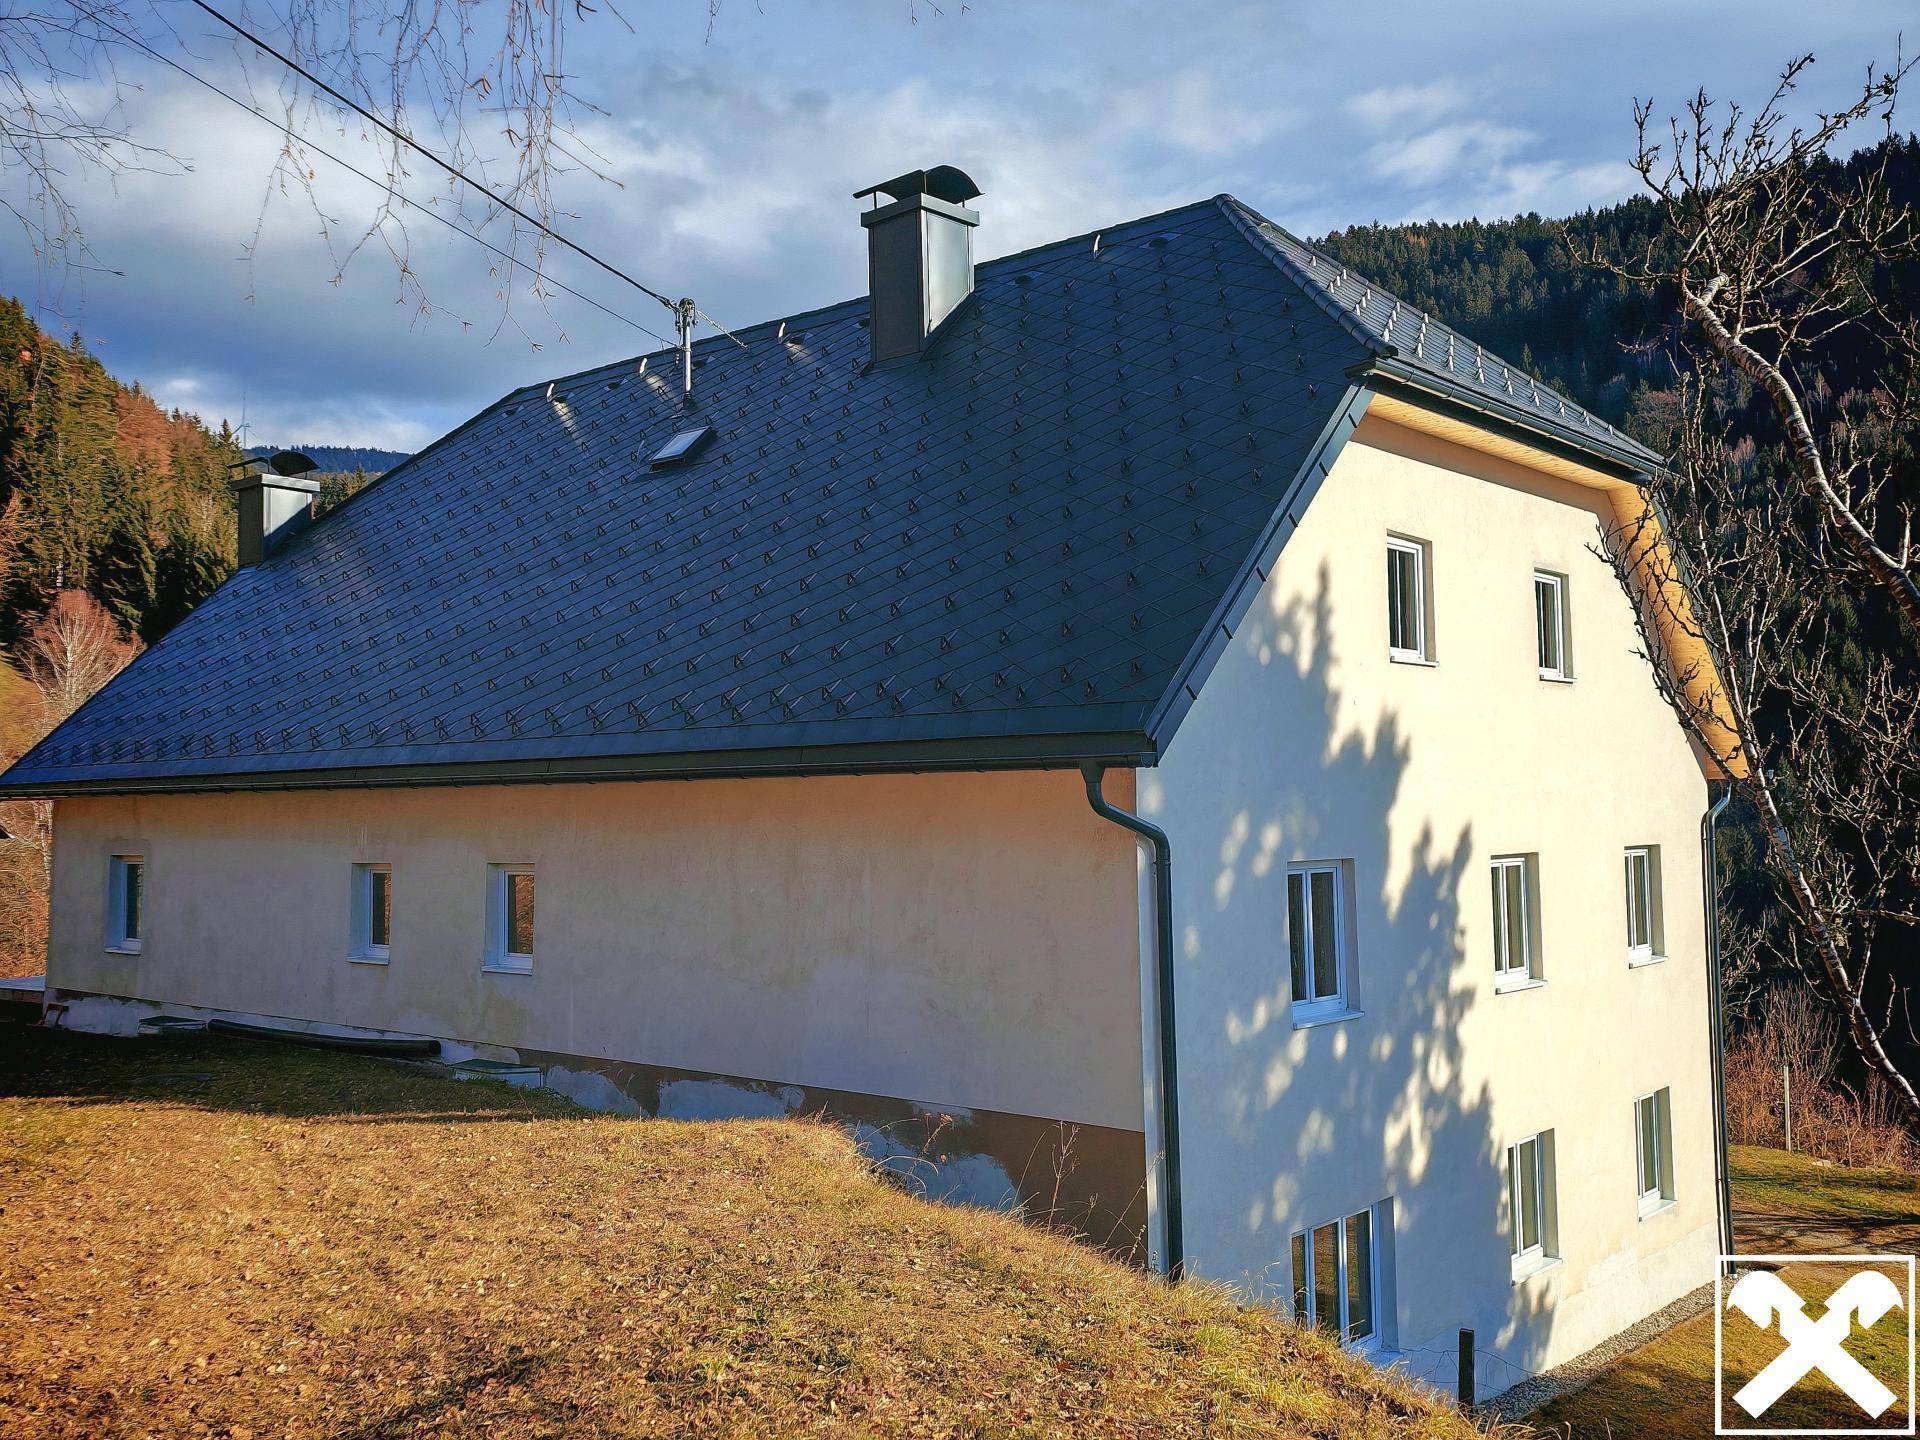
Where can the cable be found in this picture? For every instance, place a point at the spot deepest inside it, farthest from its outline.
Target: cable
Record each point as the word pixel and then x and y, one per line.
pixel 374 180
pixel 415 145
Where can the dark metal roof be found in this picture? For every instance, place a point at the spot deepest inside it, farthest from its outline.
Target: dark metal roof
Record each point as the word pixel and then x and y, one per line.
pixel 1394 330
pixel 1025 549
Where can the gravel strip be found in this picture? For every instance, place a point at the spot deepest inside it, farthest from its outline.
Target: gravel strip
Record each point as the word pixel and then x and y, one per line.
pixel 1583 1370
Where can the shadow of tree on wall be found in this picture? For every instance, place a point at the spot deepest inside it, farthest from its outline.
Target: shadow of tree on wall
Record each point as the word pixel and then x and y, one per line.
pixel 1285 1128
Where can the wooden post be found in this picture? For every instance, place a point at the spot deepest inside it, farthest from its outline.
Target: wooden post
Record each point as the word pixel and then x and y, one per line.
pixel 1466 1370
pixel 1786 1090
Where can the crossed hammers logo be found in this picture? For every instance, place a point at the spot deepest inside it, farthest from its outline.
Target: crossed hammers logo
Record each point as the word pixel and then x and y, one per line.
pixel 1812 1345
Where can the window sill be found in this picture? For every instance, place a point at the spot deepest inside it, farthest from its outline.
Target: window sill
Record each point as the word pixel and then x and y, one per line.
pixel 1653 1209
pixel 495 967
pixel 1556 679
pixel 1640 962
pixel 122 949
pixel 1514 987
pixel 1399 657
pixel 364 959
pixel 1307 1020
pixel 1533 1266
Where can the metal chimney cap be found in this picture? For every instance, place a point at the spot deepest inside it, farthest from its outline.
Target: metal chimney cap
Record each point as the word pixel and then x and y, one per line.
pixel 942 182
pixel 285 463
pixel 291 462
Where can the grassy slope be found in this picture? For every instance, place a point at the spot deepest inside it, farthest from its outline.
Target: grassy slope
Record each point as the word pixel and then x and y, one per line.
pixel 1665 1388
pixel 1774 1181
pixel 209 1236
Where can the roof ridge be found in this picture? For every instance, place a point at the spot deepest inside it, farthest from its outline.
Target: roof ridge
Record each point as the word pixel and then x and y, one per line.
pixel 861 302
pixel 1248 221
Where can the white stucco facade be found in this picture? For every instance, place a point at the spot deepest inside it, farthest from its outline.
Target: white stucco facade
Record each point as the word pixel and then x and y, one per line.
pixel 1307 743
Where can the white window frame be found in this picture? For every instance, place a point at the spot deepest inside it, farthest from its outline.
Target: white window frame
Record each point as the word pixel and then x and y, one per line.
pixel 1544 1252
pixel 1654 949
pixel 1379 1251
pixel 499 959
pixel 1652 1200
pixel 118 942
pixel 1506 974
pixel 361 947
pixel 1422 553
pixel 1337 1005
pixel 1562 629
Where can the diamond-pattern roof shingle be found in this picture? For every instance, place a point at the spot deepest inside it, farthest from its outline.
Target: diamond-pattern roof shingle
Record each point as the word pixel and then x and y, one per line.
pixel 1013 549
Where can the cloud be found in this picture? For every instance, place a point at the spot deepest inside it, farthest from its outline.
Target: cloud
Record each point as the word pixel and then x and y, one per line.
pixel 1479 168
pixel 737 154
pixel 1390 105
pixel 1472 145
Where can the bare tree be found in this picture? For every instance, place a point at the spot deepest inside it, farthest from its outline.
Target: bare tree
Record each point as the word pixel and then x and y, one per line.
pixel 483 84
pixel 1775 564
pixel 62 96
pixel 75 649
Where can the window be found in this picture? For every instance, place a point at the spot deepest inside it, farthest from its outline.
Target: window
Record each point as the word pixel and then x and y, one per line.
pixel 126 898
pixel 1516 958
pixel 1337 1274
pixel 1530 1193
pixel 1550 625
pixel 371 919
pixel 1645 942
pixel 510 918
pixel 1653 1150
pixel 680 447
pixel 1409 612
pixel 1317 940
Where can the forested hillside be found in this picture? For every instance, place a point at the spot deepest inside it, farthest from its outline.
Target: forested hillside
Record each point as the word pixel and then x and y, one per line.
pixel 101 490
pixel 339 459
pixel 1518 288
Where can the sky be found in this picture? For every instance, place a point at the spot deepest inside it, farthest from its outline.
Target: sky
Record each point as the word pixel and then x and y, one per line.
pixel 735 141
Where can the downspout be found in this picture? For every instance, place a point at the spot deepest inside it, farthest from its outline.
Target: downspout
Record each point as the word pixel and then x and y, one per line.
pixel 1710 873
pixel 1166 1098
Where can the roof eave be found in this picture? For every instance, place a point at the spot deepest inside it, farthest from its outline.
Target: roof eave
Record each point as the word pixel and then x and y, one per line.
pixel 1420 386
pixel 977 753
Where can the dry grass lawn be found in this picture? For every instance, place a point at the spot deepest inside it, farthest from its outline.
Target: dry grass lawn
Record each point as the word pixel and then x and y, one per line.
pixel 209 1237
pixel 1664 1390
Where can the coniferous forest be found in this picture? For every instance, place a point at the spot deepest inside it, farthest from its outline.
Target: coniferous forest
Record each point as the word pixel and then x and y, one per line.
pixel 101 490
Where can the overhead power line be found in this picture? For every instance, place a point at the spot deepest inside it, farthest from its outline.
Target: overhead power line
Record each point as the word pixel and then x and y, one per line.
pixel 351 168
pixel 417 147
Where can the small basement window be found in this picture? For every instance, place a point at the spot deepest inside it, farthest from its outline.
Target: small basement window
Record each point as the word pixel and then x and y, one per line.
pixel 680 447
pixel 1337 1274
pixel 126 896
pixel 371 917
pixel 510 918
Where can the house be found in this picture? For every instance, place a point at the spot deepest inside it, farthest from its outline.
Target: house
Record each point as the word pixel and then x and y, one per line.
pixel 1140 727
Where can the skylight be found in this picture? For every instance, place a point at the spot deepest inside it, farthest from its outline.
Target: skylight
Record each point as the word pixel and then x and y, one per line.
pixel 683 444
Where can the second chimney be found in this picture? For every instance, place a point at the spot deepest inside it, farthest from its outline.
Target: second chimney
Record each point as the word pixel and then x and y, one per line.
pixel 919 256
pixel 275 500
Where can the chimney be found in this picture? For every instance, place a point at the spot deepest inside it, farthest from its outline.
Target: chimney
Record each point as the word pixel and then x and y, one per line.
pixel 275 501
pixel 919 256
